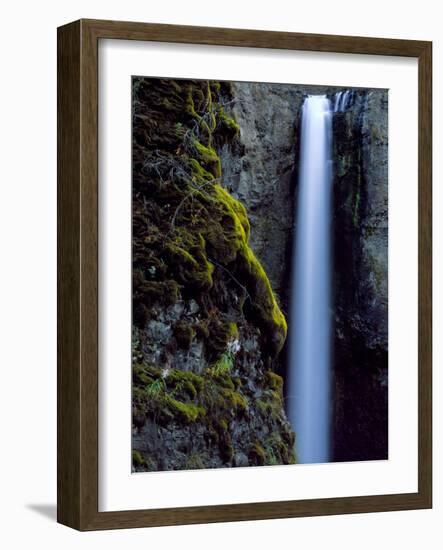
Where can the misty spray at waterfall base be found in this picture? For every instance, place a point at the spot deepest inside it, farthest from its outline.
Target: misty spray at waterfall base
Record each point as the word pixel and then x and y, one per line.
pixel 259 274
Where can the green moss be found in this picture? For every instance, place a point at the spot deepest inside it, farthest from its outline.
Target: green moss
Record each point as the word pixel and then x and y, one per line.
pixel 184 334
pixel 190 105
pixel 184 383
pixel 220 334
pixel 232 329
pixel 176 375
pixel 277 451
pixel 229 124
pixel 194 462
pixel 140 376
pixel 237 400
pixel 223 364
pixel 165 398
pixel 149 292
pixel 198 171
pixel 274 382
pixel 143 374
pixel 236 380
pixel 236 209
pixel 262 406
pixel 223 425
pixel 270 404
pixel 257 454
pixel 221 399
pixel 186 397
pixel 190 265
pixel 224 238
pixel 137 459
pixel 215 86
pixel 222 378
pixel 155 388
pixel 271 457
pixel 184 412
pixel 263 304
pixel 208 158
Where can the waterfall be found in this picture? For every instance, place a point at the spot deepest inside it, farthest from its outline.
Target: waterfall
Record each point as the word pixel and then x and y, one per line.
pixel 342 100
pixel 337 101
pixel 309 400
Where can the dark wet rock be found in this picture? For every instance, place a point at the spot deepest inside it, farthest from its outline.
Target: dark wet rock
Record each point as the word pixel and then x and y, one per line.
pixel 360 430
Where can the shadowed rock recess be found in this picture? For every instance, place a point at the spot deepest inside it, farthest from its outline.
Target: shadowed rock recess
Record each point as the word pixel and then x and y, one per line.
pixel 207 326
pixel 360 430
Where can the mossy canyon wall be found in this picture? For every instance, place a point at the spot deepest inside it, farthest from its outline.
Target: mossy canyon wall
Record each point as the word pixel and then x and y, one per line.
pixel 207 327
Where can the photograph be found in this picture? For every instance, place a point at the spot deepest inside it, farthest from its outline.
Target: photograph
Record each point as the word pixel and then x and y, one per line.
pixel 259 274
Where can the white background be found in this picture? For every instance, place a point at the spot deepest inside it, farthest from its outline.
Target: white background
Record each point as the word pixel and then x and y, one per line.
pixel 118 489
pixel 28 300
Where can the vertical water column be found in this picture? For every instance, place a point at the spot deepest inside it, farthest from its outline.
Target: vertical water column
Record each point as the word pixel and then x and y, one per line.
pixel 309 393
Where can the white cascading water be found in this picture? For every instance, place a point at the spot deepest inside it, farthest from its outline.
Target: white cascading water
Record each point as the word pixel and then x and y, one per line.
pixel 341 100
pixel 309 393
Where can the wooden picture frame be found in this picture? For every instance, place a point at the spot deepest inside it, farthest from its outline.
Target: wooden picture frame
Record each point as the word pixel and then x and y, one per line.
pixel 78 274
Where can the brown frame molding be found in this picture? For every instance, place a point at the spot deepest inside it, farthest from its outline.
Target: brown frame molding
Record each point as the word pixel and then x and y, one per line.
pixel 77 409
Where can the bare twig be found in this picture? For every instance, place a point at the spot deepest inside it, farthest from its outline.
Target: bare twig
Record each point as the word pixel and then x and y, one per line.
pixel 188 196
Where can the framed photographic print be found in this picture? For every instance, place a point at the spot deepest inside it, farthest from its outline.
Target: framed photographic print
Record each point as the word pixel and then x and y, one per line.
pixel 244 280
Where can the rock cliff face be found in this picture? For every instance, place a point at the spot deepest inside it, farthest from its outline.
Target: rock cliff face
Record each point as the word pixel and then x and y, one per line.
pixel 262 172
